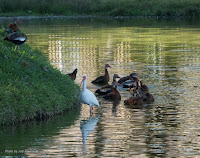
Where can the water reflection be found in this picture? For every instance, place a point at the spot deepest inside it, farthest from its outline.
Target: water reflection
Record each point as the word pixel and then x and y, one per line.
pixel 114 107
pixel 88 126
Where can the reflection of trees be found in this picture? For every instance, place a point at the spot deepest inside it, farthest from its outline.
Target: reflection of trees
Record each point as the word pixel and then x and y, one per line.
pixel 68 55
pixel 100 139
pixel 38 137
pixel 55 54
pixel 122 53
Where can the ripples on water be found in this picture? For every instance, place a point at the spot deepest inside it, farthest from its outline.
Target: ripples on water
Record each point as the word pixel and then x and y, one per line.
pixel 166 56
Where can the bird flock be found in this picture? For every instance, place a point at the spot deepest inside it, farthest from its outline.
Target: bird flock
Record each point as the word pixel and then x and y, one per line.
pixel 140 91
pixel 131 83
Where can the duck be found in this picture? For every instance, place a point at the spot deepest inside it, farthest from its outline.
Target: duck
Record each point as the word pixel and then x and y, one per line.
pixel 132 87
pixel 143 87
pixel 114 95
pixel 143 91
pixel 127 81
pixel 140 90
pixel 134 100
pixel 87 97
pixel 141 94
pixel 132 76
pixel 103 79
pixel 107 88
pixel 12 27
pixel 17 38
pixel 73 74
pixel 149 98
pixel 138 85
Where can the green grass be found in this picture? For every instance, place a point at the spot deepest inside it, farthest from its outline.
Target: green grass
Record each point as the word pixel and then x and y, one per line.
pixel 30 88
pixel 169 8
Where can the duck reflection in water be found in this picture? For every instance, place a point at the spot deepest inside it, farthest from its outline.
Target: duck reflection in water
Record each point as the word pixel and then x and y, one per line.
pixel 114 107
pixel 87 127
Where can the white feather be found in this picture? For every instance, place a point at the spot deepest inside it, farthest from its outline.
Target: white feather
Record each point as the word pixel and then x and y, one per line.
pixel 20 39
pixel 87 97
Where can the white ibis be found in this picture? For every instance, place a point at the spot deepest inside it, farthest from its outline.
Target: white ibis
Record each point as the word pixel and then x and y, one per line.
pixel 73 74
pixel 87 97
pixel 16 38
pixel 105 78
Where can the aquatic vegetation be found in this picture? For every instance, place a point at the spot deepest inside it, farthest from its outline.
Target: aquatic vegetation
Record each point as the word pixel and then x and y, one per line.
pixel 30 88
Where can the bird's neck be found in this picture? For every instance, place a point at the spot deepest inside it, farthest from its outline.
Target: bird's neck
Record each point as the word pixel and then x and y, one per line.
pixel 106 71
pixel 84 85
pixel 106 74
pixel 114 80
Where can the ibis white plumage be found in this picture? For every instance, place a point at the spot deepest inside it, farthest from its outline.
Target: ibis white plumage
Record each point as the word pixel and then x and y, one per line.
pixel 87 97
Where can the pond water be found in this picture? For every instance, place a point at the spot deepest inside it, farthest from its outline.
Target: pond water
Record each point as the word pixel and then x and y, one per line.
pixel 164 53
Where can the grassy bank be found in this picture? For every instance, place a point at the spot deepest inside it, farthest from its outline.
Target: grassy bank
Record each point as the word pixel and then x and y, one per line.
pixel 183 8
pixel 30 88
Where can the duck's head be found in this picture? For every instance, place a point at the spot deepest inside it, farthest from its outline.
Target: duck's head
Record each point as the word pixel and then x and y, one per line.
pixel 16 20
pixel 134 75
pixel 115 76
pixel 107 66
pixel 75 71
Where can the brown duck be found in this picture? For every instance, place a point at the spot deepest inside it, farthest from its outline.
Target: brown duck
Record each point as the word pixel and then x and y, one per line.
pixel 12 27
pixel 135 100
pixel 132 77
pixel 114 95
pixel 107 88
pixel 103 79
pixel 73 74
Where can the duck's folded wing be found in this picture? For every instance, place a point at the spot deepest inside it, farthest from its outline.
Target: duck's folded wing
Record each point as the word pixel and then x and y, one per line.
pixel 124 79
pixel 98 79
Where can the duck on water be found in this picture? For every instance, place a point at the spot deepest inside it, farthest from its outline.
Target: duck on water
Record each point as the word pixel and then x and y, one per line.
pixel 103 79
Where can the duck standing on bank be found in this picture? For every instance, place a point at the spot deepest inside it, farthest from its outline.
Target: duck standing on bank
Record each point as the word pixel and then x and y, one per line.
pixel 87 97
pixel 13 26
pixel 17 38
pixel 73 74
pixel 103 79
